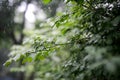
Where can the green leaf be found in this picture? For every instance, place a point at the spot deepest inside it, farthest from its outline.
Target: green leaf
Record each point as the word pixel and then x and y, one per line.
pixel 28 59
pixel 8 62
pixel 39 57
pixel 116 21
pixel 79 1
pixel 63 19
pixel 111 67
pixel 65 30
pixel 46 1
pixel 21 57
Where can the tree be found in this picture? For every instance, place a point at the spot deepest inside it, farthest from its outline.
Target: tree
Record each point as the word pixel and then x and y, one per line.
pixel 8 26
pixel 89 32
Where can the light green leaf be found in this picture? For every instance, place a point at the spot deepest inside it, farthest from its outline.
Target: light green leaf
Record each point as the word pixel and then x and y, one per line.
pixel 28 59
pixel 39 57
pixel 46 1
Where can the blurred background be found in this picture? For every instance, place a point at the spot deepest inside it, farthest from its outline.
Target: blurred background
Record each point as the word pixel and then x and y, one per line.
pixel 20 19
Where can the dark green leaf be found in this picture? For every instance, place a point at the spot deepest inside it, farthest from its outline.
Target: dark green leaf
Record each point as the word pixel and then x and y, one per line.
pixel 79 1
pixel 7 63
pixel 116 21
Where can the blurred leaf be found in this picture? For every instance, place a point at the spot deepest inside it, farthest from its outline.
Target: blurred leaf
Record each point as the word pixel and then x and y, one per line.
pixel 116 21
pixel 8 62
pixel 79 1
pixel 17 56
pixel 116 60
pixel 62 20
pixel 39 57
pixel 111 67
pixel 46 1
pixel 28 59
pixel 96 65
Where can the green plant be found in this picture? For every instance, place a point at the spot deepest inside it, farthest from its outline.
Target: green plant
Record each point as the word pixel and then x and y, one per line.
pixel 89 32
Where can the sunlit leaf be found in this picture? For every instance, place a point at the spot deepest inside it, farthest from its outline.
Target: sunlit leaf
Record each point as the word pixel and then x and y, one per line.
pixel 28 59
pixel 46 1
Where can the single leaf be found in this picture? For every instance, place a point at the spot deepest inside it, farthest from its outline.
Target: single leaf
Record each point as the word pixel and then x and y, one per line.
pixel 7 63
pixel 46 1
pixel 39 57
pixel 116 21
pixel 111 67
pixel 28 59
pixel 79 1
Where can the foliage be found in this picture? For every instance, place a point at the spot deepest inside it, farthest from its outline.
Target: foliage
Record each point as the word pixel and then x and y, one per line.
pixel 88 32
pixel 97 46
pixel 40 52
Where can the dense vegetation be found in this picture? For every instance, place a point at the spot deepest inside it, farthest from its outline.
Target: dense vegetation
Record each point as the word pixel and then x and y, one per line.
pixel 82 43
